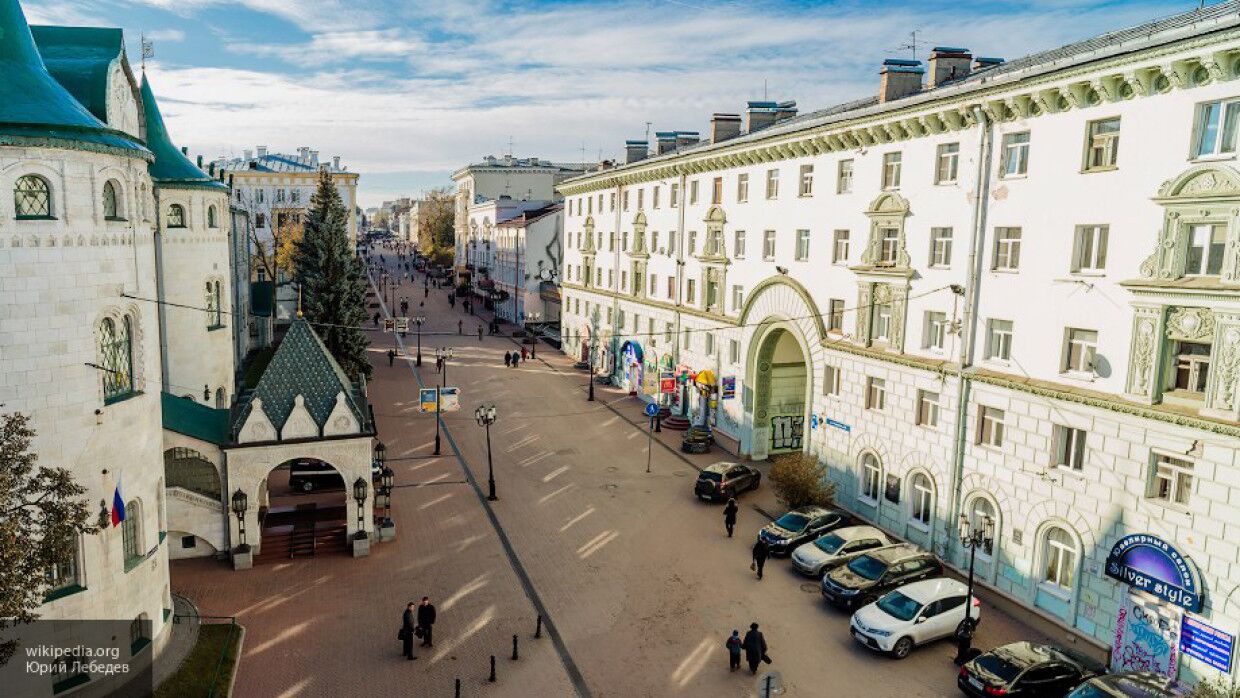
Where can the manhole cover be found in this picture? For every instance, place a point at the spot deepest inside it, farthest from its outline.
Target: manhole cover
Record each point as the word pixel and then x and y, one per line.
pixel 810 588
pixel 611 486
pixel 612 468
pixel 679 473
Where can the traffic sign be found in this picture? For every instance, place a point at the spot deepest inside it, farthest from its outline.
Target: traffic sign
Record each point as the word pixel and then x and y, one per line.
pixel 389 325
pixel 402 324
pixel 651 409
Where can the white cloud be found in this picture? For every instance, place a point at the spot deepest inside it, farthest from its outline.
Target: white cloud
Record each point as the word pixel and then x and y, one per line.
pixel 166 35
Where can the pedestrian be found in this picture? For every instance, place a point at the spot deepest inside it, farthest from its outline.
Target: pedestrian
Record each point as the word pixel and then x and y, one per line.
pixel 479 333
pixel 507 359
pixel 438 364
pixel 406 632
pixel 391 356
pixel 523 353
pixel 376 319
pixel 460 327
pixel 426 620
pixel 761 551
pixel 426 292
pixel 729 515
pixel 755 647
pixel 734 646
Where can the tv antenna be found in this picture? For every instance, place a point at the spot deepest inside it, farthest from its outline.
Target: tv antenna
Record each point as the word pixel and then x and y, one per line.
pixel 912 43
pixel 147 49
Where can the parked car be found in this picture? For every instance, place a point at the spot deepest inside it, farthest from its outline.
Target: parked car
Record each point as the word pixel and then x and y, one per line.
pixel 1026 670
pixel 719 481
pixel 876 572
pixel 800 526
pixel 309 475
pixel 1131 684
pixel 836 548
pixel 913 615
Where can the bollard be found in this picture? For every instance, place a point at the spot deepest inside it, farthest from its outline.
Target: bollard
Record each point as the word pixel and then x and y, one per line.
pixel 492 678
pixel 538 628
pixel 515 656
pixel 458 688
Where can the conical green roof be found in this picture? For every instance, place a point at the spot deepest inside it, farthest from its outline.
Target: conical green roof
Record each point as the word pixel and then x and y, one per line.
pixel 171 167
pixel 37 110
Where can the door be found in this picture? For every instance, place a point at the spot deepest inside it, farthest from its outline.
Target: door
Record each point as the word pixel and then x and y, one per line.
pixel 948 614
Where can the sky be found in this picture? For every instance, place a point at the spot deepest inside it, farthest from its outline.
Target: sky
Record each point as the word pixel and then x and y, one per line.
pixel 407 91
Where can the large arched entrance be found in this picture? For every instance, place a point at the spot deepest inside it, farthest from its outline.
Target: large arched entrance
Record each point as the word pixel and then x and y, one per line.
pixel 302 510
pixel 193 517
pixel 781 393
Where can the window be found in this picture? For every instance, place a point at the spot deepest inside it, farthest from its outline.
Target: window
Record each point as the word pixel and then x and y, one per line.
pixel 654 284
pixel 772 184
pixel 1089 250
pixel 1102 144
pixel 768 245
pixel 654 197
pixel 892 164
pixel 940 247
pixel 624 280
pixel 279 195
pixel 927 408
pixel 693 192
pixel 888 246
pixel 875 394
pixel 839 247
pixel 111 201
pixel 835 315
pixel 671 242
pixel 716 190
pixel 1007 249
pixel 260 221
pixel 1215 129
pixel 742 188
pixel 922 491
pixel 807 181
pixel 1206 243
pixel 871 476
pixel 935 331
pixel 1192 366
pixel 667 331
pixel 641 197
pixel 690 291
pixel 830 380
pixel 1173 479
pixel 620 319
pixel 611 278
pixel 211 222
pixel 215 311
pixel 654 241
pixel 714 243
pixel 999 340
pixel 671 288
pixel 1059 557
pixel 117 353
pixel 1069 447
pixel 296 195
pixel 710 342
pixel 685 339
pixel 738 297
pixel 1081 345
pixel 64 574
pixel 611 241
pixel 880 322
pixel 624 202
pixel 734 351
pixel 990 426
pixel 692 248
pixel 981 510
pixel 738 245
pixel 947 163
pixel 802 245
pixel 1015 154
pixel 844 177
pixel 129 532
pixel 32 197
pixel 624 242
pixel 262 197
pixel 673 195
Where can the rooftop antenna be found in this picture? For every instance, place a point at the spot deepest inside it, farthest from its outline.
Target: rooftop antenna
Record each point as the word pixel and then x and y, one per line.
pixel 147 49
pixel 764 98
pixel 583 152
pixel 912 43
pixel 510 152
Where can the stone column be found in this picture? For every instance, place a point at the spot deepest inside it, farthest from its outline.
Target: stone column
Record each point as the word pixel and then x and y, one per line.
pixel 865 294
pixel 1222 400
pixel 1145 353
pixel 899 309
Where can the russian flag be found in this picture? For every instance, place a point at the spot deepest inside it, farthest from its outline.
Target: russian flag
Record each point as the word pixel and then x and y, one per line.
pixel 118 506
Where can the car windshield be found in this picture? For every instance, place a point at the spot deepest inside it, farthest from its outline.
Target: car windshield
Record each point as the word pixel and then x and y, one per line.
pixel 1089 691
pixel 829 544
pixel 714 477
pixel 792 521
pixel 868 567
pixel 899 606
pixel 998 667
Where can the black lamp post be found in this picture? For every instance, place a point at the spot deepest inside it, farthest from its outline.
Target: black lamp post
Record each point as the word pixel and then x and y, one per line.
pixel 417 321
pixel 387 479
pixel 360 490
pixel 534 318
pixel 971 537
pixel 240 503
pixel 380 454
pixel 590 378
pixel 442 353
pixel 486 416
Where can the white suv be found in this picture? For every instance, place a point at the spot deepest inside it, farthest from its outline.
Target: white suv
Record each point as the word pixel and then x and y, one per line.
pixel 836 548
pixel 913 615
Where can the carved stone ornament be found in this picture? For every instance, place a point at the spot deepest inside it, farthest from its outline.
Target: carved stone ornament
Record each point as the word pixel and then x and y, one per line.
pixel 1190 324
pixel 1227 366
pixel 882 294
pixel 1143 355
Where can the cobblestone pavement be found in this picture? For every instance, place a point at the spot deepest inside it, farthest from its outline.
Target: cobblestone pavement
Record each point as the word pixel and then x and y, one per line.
pixel 637 576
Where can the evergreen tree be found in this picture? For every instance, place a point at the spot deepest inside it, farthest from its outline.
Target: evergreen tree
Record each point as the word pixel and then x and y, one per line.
pixel 333 285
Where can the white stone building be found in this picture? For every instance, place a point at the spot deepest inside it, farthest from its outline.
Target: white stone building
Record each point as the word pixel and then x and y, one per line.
pixel 526 264
pixel 998 289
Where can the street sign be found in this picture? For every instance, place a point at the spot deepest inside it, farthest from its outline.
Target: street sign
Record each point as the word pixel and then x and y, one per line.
pixel 813 421
pixel 1207 643
pixel 651 409
pixel 402 324
pixel 389 325
pixel 667 383
pixel 838 425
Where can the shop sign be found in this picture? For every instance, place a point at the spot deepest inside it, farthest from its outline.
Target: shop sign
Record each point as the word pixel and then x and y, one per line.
pixel 402 324
pixel 727 387
pixel 1153 565
pixel 1207 643
pixel 667 383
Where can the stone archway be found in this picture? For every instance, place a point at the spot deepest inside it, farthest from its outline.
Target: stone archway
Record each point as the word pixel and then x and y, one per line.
pixel 193 508
pixel 780 374
pixel 302 510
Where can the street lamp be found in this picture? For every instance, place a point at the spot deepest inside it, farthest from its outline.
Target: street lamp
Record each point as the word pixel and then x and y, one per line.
pixel 380 454
pixel 386 479
pixel 417 321
pixel 534 318
pixel 240 503
pixel 971 537
pixel 590 379
pixel 360 490
pixel 442 354
pixel 486 416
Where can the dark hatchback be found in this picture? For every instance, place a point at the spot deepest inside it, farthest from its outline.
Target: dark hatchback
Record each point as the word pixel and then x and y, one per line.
pixel 800 525
pixel 720 481
pixel 872 574
pixel 1026 670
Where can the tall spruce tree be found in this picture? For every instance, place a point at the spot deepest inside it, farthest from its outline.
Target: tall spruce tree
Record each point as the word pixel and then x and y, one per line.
pixel 331 278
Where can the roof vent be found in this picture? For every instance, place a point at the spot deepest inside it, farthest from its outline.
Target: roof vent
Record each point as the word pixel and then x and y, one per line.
pixel 665 141
pixel 687 138
pixel 947 64
pixel 634 151
pixel 785 110
pixel 262 151
pixel 724 126
pixel 980 63
pixel 899 78
pixel 760 114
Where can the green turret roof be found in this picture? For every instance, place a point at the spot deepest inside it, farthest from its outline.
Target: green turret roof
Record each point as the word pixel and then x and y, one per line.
pixel 37 110
pixel 171 167
pixel 80 58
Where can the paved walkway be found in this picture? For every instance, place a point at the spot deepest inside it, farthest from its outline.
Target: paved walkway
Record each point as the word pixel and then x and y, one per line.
pixel 179 645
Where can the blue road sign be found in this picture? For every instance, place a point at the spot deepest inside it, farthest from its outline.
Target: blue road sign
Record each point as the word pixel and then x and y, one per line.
pixel 813 421
pixel 839 425
pixel 651 409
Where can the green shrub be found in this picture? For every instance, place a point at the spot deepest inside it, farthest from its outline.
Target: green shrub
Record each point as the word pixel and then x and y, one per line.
pixel 1214 688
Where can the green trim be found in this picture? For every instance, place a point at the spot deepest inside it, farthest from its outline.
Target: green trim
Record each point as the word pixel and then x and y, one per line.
pixel 162 535
pixel 35 218
pixel 63 592
pixel 795 286
pixel 167 612
pixel 71 682
pixel 46 141
pixel 138 645
pixel 133 562
pixel 121 398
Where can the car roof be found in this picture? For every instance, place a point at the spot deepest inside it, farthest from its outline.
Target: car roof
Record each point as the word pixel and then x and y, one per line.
pixel 893 553
pixel 811 511
pixel 1026 654
pixel 1135 684
pixel 719 467
pixel 850 533
pixel 929 590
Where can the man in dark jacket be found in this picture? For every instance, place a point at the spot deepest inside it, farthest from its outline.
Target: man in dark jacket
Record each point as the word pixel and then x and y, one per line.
pixel 406 632
pixel 760 552
pixel 729 515
pixel 755 647
pixel 426 620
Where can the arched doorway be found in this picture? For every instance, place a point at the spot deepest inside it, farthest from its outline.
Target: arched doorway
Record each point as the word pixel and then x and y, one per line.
pixel 190 509
pixel 781 388
pixel 303 510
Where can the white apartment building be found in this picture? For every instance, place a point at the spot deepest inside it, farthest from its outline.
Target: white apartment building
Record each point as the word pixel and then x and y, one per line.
pixel 526 262
pixel 1003 290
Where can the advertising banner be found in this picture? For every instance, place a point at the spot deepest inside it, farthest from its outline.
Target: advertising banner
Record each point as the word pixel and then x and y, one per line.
pixel 667 383
pixel 727 387
pixel 1147 634
pixel 426 399
pixel 1207 643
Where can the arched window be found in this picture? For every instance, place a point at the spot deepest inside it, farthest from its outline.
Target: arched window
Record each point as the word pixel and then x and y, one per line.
pixel 112 201
pixel 32 197
pixel 176 216
pixel 979 509
pixel 921 498
pixel 215 312
pixel 116 350
pixel 871 476
pixel 1059 556
pixel 130 532
pixel 211 223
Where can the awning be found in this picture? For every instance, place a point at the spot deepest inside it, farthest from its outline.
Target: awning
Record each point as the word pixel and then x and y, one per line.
pixel 706 377
pixel 632 352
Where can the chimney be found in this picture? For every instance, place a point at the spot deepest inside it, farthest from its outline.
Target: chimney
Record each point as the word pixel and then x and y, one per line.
pixel 785 110
pixel 262 151
pixel 634 151
pixel 314 157
pixel 185 150
pixel 665 141
pixel 899 78
pixel 947 64
pixel 761 115
pixel 247 153
pixel 687 138
pixel 980 63
pixel 335 162
pixel 724 126
pixel 200 162
pixel 210 168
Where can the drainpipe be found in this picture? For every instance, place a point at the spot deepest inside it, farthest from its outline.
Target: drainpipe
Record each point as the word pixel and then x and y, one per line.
pixel 972 292
pixel 615 293
pixel 161 309
pixel 680 282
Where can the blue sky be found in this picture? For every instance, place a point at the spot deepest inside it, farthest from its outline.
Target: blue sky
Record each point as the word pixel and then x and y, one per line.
pixel 406 91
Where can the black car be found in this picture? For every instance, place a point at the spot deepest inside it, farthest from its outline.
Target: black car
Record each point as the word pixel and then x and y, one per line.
pixel 720 481
pixel 800 525
pixel 1026 670
pixel 870 575
pixel 1130 684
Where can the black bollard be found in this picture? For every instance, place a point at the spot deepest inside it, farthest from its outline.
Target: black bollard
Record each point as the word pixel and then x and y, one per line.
pixel 515 656
pixel 492 678
pixel 538 628
pixel 458 688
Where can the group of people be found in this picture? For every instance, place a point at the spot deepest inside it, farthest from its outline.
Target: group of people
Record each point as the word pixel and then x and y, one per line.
pixel 512 358
pixel 754 647
pixel 418 621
